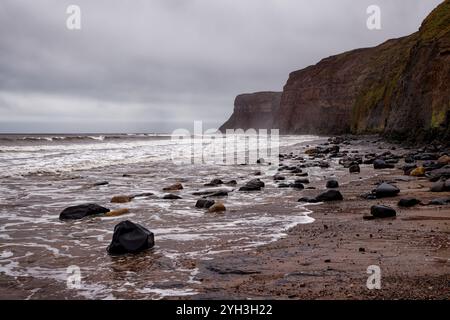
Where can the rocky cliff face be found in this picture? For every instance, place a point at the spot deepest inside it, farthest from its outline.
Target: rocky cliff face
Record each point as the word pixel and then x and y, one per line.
pixel 399 88
pixel 253 110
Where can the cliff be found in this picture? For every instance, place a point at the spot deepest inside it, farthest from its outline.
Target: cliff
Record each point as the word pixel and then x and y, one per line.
pixel 253 110
pixel 399 88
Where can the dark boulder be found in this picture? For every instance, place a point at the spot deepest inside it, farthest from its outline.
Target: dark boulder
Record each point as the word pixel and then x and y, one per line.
pixel 204 204
pixel 81 211
pixel 219 193
pixel 331 184
pixel 330 195
pixel 278 177
pixel 381 164
pixel 440 201
pixel 408 168
pixel 354 168
pixel 303 180
pixel 171 196
pixel 442 173
pixel 308 199
pixel 214 182
pixel 252 185
pixel 130 237
pixel 380 211
pixel 386 190
pixel 297 185
pixel 284 185
pixel 408 202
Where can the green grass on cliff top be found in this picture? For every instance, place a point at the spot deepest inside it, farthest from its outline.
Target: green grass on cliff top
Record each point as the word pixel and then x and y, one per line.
pixel 437 23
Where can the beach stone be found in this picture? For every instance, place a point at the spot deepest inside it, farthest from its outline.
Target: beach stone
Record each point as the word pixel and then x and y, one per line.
pixel 252 185
pixel 380 211
pixel 381 164
pixel 217 207
pixel 176 186
pixel 204 204
pixel 214 182
pixel 144 194
pixel 231 182
pixel 440 186
pixel 386 190
pixel 308 199
pixel 418 172
pixel 303 180
pixel 440 201
pixel 118 212
pixel 284 185
pixel 302 174
pixel 408 168
pixel 81 211
pixel 171 196
pixel 354 168
pixel 445 159
pixel 101 183
pixel 219 193
pixel 278 177
pixel 297 185
pixel 130 237
pixel 331 184
pixel 121 199
pixel 441 173
pixel 330 195
pixel 408 202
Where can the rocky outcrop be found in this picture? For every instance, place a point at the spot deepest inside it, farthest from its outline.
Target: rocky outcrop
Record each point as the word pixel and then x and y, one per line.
pixel 253 110
pixel 400 88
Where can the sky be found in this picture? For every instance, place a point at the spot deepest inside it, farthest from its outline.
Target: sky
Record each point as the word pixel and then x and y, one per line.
pixel 158 65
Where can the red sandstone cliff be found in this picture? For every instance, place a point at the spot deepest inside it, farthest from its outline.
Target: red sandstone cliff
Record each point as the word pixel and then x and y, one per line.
pixel 399 88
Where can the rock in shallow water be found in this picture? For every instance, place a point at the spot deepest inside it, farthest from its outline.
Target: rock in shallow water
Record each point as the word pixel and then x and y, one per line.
pixel 81 211
pixel 379 211
pixel 217 207
pixel 204 204
pixel 176 186
pixel 252 185
pixel 171 196
pixel 354 168
pixel 130 237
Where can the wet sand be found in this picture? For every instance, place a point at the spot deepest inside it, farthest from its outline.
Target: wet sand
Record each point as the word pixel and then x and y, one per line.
pixel 328 259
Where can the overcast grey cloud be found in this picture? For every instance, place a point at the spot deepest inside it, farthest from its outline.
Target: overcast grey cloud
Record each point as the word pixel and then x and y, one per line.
pixel 157 65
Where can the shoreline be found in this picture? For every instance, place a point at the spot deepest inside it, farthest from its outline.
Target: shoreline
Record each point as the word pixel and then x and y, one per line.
pixel 328 258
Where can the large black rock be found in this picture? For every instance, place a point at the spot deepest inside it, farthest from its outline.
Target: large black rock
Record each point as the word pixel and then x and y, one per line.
pixel 386 190
pixel 330 195
pixel 130 237
pixel 81 211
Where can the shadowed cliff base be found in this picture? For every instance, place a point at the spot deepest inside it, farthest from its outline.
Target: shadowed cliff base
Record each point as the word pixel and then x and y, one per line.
pixel 399 89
